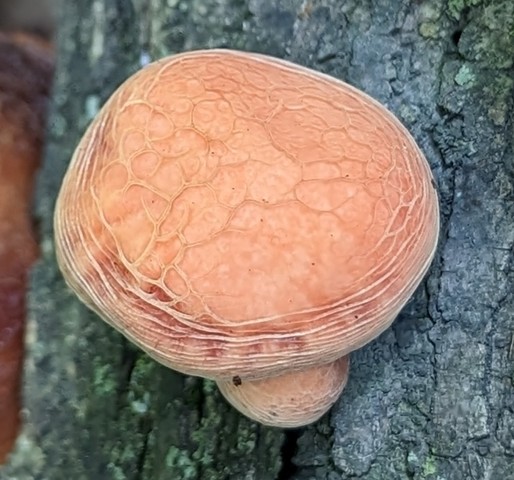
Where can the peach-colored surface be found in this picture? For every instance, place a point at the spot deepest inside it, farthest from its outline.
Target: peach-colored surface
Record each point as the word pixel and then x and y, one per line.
pixel 237 215
pixel 290 400
pixel 25 74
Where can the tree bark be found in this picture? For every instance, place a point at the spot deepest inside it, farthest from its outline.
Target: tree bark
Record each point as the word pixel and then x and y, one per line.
pixel 433 397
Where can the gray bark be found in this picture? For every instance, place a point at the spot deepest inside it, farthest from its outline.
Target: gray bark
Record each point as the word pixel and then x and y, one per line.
pixel 433 397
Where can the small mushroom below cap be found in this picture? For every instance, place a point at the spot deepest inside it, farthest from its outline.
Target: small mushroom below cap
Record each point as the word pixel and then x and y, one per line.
pixel 290 400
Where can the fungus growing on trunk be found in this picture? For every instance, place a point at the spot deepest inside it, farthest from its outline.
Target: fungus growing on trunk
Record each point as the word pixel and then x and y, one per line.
pixel 245 219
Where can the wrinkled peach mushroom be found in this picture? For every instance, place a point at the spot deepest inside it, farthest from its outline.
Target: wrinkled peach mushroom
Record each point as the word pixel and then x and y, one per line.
pixel 247 220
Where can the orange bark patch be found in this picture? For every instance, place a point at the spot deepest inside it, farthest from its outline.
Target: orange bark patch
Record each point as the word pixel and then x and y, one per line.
pixel 25 74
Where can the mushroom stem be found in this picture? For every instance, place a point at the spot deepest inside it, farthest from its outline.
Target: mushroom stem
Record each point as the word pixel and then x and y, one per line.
pixel 291 400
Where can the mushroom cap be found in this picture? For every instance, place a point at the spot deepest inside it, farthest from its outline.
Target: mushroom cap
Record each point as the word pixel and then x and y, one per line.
pixel 238 215
pixel 291 400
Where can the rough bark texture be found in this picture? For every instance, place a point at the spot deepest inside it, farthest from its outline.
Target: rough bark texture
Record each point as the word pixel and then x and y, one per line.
pixel 432 398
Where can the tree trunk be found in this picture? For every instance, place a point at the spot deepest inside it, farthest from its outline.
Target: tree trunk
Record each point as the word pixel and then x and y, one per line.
pixel 433 397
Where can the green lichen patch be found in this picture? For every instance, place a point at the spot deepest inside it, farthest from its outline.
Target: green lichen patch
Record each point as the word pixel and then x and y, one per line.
pixel 456 7
pixel 429 15
pixel 499 92
pixel 489 37
pixel 180 464
pixel 465 76
pixel 429 30
pixel 429 467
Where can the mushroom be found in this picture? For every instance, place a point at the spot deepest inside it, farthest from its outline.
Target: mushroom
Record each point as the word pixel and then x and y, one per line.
pixel 247 220
pixel 291 399
pixel 26 66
